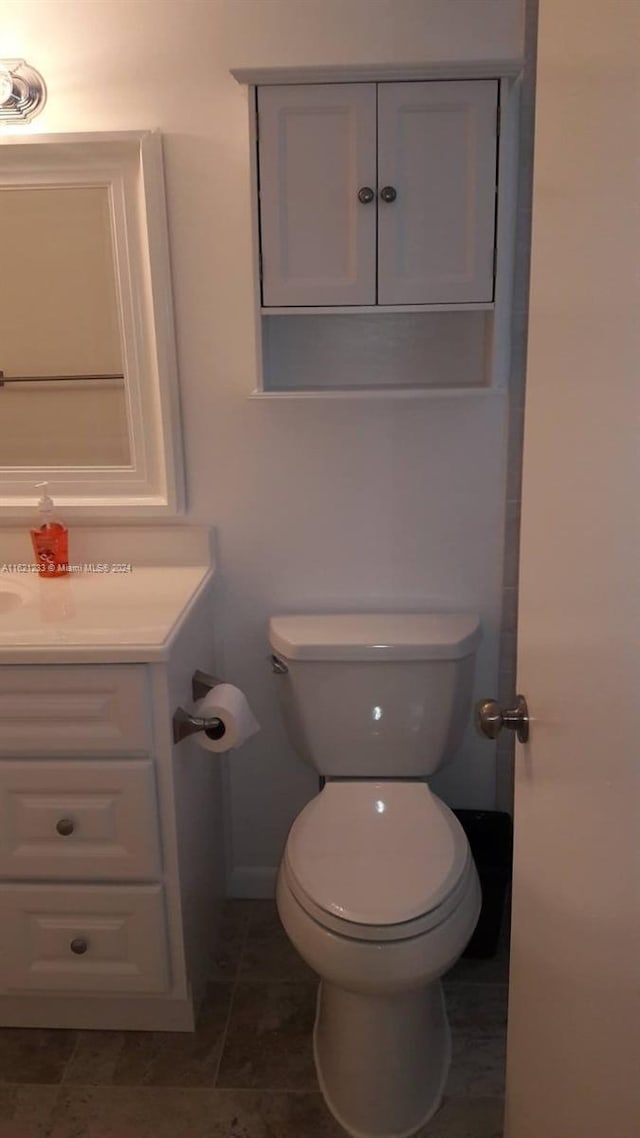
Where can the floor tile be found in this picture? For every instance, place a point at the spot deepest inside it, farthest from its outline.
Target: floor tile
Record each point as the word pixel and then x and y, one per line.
pixel 34 1055
pixel 477 1009
pixel 466 1118
pixel 154 1058
pixel 120 1112
pixel 26 1111
pixel 493 970
pixel 231 940
pixel 247 1071
pixel 268 953
pixel 268 1041
pixel 477 1067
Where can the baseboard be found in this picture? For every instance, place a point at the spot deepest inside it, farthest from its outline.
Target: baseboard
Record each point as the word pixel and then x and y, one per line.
pixel 252 881
pixel 108 1013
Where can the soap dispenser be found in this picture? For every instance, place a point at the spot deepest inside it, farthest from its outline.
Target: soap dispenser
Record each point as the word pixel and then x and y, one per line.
pixel 50 539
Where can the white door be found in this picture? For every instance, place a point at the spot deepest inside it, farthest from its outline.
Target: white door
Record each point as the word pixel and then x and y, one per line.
pixel 317 158
pixel 573 1067
pixel 437 187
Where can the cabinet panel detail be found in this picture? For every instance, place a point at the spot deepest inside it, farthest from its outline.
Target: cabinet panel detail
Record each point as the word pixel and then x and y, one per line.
pixel 317 147
pixel 69 710
pixel 437 153
pixel 78 820
pixel 83 938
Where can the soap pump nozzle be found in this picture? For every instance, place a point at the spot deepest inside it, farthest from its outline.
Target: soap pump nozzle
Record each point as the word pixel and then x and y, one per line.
pixel 45 503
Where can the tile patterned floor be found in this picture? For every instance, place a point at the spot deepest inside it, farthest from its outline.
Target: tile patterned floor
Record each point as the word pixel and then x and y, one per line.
pixel 247 1072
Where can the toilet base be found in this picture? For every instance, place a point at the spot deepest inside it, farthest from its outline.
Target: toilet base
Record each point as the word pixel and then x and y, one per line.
pixel 382 1061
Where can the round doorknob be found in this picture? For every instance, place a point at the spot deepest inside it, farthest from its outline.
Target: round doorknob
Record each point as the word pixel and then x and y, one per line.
pixel 491 718
pixel 79 945
pixel 65 827
pixel 388 194
pixel 366 195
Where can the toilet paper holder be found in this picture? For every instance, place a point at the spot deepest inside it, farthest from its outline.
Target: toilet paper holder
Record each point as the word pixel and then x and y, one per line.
pixel 186 724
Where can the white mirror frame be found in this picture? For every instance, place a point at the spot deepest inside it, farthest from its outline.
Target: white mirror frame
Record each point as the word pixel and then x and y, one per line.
pixel 129 165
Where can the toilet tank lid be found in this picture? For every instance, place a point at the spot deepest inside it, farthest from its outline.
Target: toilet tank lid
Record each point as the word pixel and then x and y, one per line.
pixel 375 636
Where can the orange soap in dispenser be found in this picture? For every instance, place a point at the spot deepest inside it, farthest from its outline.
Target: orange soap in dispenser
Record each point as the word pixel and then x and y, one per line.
pixel 50 539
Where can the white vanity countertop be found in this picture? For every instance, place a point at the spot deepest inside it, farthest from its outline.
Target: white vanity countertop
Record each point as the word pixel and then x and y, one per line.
pixel 124 600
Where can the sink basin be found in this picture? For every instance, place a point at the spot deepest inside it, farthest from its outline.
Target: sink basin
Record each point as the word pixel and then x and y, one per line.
pixel 13 594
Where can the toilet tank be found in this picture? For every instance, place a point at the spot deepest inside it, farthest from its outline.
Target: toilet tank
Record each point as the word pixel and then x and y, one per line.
pixel 373 695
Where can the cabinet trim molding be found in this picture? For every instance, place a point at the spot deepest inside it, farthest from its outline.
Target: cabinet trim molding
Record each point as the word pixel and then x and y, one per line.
pixel 380 72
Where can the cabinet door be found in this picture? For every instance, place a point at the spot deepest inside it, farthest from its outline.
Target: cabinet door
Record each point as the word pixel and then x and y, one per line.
pixel 317 150
pixel 437 150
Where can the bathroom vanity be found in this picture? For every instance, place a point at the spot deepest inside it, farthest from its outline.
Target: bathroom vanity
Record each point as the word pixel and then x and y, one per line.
pixel 111 846
pixel 111 840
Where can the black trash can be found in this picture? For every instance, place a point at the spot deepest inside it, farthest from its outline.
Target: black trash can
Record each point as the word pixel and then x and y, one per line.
pixel 490 836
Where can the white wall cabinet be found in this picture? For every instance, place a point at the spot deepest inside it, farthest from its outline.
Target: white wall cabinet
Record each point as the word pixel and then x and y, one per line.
pixel 383 214
pixel 377 193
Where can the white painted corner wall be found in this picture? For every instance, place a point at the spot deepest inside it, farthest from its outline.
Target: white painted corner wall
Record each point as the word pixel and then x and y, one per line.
pixel 317 504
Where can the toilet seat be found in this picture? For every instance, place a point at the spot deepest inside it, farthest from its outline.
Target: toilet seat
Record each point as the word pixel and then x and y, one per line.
pixel 377 860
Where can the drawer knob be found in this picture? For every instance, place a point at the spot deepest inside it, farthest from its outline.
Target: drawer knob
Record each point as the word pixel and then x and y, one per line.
pixel 65 827
pixel 79 945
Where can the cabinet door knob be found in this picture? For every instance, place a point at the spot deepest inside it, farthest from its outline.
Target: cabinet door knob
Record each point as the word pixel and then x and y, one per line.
pixel 79 946
pixel 388 194
pixel 65 827
pixel 366 195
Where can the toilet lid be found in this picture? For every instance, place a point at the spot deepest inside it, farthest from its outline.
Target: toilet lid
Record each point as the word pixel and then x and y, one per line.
pixel 376 853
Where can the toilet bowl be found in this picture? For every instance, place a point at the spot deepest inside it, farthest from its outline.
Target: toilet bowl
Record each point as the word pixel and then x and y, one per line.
pixel 379 933
pixel 377 888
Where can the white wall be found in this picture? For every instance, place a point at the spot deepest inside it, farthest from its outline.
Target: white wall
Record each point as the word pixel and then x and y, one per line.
pixel 317 504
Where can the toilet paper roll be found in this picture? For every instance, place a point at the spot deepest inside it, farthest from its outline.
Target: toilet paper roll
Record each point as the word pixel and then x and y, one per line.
pixel 228 704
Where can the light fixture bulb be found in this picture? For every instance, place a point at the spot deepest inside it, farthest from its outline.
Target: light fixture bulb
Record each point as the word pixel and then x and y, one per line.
pixel 6 88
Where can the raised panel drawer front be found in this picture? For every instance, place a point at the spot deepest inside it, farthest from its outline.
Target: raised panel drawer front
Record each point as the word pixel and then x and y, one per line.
pixel 66 710
pixel 83 938
pixel 317 152
pixel 78 820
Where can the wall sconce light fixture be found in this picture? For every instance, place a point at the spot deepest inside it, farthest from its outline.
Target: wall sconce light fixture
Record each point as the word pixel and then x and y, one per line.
pixel 22 91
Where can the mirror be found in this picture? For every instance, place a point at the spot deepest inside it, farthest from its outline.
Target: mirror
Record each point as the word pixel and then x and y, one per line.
pixel 88 389
pixel 63 395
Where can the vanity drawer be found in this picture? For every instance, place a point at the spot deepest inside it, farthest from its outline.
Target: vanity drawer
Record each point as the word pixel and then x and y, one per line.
pixel 78 820
pixel 69 710
pixel 76 938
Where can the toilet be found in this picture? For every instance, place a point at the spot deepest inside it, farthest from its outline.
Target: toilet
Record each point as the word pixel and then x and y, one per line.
pixel 377 888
